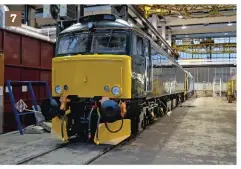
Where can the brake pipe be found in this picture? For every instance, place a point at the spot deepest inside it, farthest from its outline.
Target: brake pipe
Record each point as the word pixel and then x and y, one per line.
pixel 89 117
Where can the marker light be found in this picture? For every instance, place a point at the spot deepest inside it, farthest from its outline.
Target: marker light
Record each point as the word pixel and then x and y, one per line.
pixel 66 87
pixel 107 88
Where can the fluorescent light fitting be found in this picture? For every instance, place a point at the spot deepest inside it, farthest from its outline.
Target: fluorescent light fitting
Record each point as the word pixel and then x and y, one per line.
pixel 225 33
pixel 184 27
pixel 230 24
pixel 180 16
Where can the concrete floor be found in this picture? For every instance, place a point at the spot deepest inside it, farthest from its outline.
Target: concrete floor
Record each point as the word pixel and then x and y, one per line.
pixel 203 134
pixel 15 148
pixel 45 149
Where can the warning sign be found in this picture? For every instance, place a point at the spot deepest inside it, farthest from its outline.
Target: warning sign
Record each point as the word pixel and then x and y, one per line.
pixel 21 106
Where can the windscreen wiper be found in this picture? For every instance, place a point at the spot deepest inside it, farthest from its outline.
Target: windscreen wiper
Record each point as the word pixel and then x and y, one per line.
pixel 110 37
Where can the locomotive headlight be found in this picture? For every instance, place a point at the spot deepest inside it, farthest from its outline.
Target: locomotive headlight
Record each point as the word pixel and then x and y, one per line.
pixel 90 25
pixel 115 90
pixel 58 89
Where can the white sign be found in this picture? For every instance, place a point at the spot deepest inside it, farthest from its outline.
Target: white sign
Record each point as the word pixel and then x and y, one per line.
pixel 6 89
pixel 24 88
pixel 1 90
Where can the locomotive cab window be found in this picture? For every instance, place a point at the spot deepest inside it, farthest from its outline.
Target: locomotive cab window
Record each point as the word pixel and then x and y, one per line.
pixel 138 56
pixel 139 46
pixel 72 43
pixel 109 42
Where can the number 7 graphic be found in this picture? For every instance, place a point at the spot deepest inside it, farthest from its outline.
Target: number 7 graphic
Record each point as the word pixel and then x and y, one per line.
pixel 13 16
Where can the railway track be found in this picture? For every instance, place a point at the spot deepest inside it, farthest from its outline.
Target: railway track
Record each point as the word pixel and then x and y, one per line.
pixel 52 151
pixel 76 152
pixel 73 153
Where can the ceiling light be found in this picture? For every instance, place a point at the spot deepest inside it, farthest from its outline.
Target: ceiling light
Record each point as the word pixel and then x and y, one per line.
pixel 180 16
pixel 186 36
pixel 225 33
pixel 230 24
pixel 184 27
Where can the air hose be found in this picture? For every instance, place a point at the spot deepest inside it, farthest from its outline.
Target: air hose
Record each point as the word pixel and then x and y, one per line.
pixel 97 129
pixel 89 124
pixel 122 121
pixel 89 117
pixel 98 122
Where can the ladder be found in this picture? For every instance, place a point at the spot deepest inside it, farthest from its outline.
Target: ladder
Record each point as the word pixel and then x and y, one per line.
pixel 19 107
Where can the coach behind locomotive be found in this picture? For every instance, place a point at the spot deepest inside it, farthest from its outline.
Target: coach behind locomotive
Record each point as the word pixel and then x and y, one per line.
pixel 102 81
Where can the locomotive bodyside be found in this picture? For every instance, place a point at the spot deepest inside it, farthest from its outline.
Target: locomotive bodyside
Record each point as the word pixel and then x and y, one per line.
pixel 190 91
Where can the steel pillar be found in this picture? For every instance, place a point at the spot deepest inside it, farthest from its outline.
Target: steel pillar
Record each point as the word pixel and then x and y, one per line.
pixel 169 39
pixel 163 30
pixel 80 11
pixel 120 10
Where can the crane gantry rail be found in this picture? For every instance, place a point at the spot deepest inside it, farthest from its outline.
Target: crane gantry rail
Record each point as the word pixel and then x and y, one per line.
pixel 207 48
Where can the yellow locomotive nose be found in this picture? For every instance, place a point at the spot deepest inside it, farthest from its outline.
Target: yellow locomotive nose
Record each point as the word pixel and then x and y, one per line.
pixel 92 75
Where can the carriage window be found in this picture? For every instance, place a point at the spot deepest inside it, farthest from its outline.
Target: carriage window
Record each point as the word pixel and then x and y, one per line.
pixel 149 73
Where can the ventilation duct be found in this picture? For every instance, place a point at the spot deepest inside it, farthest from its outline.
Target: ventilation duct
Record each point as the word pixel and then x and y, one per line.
pixel 26 30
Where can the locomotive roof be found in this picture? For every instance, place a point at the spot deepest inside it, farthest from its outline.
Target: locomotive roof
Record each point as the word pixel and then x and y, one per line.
pixel 116 23
pixel 111 21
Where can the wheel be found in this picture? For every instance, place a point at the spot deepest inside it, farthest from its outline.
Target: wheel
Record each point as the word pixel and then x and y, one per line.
pixel 143 123
pixel 229 99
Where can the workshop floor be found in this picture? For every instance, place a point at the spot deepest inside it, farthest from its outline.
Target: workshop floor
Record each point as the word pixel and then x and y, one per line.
pixel 203 131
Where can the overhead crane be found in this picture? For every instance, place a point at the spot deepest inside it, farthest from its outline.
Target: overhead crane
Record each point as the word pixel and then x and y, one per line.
pixel 193 11
pixel 206 48
pixel 188 11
